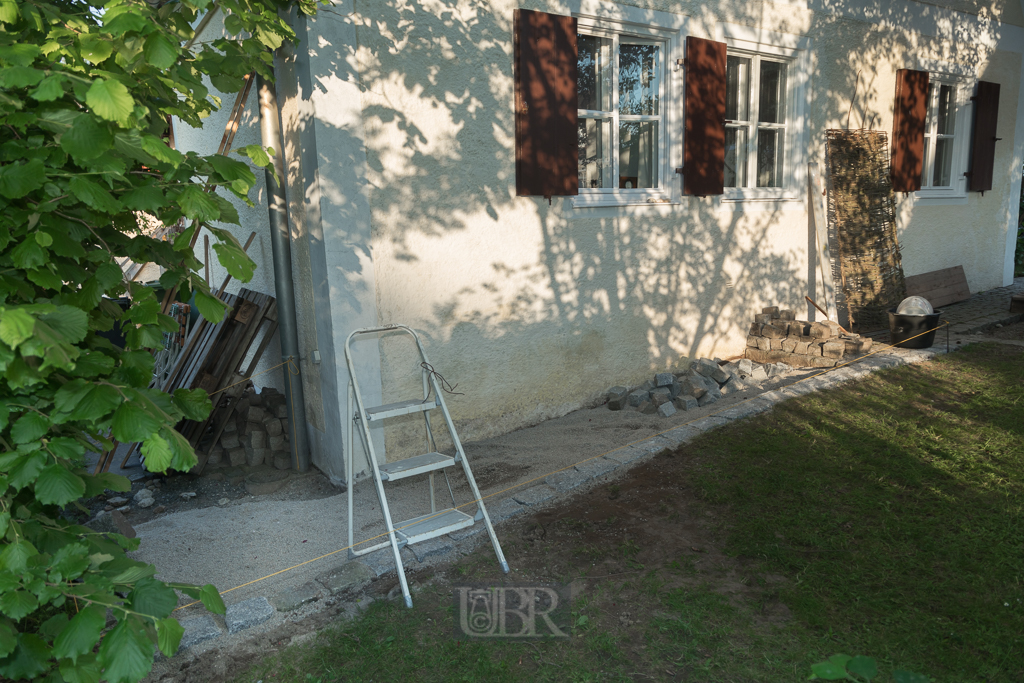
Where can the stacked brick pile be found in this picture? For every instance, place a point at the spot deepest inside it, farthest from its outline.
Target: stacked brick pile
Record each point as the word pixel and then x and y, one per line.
pixel 777 337
pixel 257 433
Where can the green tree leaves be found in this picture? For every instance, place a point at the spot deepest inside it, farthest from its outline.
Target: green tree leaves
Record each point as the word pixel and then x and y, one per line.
pixel 17 180
pixel 132 422
pixel 86 89
pixel 29 427
pixel 126 653
pixel 56 485
pixel 110 100
pixel 81 634
pixel 16 325
pixel 160 51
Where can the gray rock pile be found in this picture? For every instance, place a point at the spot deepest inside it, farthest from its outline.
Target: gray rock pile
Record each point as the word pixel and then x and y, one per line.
pixel 704 382
pixel 257 433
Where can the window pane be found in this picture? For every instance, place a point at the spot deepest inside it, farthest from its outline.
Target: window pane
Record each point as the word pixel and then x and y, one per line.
pixel 639 79
pixel 735 157
pixel 638 154
pixel 737 89
pixel 769 157
pixel 926 162
pixel 594 74
pixel 595 136
pixel 947 109
pixel 943 162
pixel 772 98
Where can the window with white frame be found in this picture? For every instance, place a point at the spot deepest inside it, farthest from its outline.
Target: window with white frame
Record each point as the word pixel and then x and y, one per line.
pixel 755 120
pixel 766 80
pixel 944 136
pixel 623 98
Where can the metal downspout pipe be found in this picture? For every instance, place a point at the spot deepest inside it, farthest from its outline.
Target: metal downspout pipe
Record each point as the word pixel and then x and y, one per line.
pixel 280 242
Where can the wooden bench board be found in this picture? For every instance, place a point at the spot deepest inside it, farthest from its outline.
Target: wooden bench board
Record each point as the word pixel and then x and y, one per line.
pixel 940 287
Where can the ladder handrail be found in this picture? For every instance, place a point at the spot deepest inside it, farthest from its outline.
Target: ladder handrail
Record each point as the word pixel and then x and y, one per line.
pixel 429 382
pixel 372 457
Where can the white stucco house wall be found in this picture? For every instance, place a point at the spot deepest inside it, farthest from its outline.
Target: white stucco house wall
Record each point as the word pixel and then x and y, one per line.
pixel 399 121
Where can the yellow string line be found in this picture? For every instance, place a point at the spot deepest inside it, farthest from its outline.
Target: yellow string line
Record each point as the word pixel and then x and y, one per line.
pixel 544 476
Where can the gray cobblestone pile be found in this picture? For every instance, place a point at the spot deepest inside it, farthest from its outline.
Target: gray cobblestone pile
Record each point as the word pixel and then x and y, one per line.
pixel 705 381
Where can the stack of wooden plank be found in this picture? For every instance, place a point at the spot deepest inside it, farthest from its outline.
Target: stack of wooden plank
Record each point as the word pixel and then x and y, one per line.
pixel 217 366
pixel 214 359
pixel 940 287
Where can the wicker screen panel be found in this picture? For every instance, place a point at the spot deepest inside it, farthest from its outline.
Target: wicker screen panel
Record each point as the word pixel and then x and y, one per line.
pixel 862 216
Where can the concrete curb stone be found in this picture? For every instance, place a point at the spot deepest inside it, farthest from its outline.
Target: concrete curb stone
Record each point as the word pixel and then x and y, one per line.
pixel 534 495
pixel 633 452
pixel 680 435
pixel 469 532
pixel 351 574
pixel 243 615
pixel 293 598
pixel 435 547
pixel 749 409
pixel 198 630
pixel 706 424
pixel 597 467
pixel 566 480
pixel 506 509
pixel 380 561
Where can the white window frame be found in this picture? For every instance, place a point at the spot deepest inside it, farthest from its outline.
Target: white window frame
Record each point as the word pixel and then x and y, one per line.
pixel 646 26
pixel 957 190
pixel 746 41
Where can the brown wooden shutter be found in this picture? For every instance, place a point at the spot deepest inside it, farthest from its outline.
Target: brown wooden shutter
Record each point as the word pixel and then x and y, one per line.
pixel 986 115
pixel 704 133
pixel 908 123
pixel 547 152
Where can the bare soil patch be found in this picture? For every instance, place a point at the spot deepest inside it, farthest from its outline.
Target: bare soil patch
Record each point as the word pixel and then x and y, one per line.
pixel 1014 332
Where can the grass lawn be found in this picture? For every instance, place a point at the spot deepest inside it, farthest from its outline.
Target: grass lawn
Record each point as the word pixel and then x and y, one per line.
pixel 883 518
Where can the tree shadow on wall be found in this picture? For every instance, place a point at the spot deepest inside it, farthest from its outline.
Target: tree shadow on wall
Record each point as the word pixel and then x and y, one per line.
pixel 437 132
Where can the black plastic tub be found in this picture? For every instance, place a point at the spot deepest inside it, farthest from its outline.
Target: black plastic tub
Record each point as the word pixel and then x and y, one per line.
pixel 903 327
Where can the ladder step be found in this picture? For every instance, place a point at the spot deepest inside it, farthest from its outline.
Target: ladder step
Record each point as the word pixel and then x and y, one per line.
pixel 435 524
pixel 420 464
pixel 414 405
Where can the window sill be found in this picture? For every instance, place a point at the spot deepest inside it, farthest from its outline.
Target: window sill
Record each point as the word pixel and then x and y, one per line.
pixel 752 195
pixel 956 200
pixel 613 199
pixel 943 197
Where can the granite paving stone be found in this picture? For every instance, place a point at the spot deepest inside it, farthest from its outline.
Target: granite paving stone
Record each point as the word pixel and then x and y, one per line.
pixel 198 630
pixel 351 574
pixel 566 480
pixel 680 435
pixel 597 467
pixel 506 509
pixel 747 409
pixel 706 424
pixel 293 598
pixel 535 495
pixel 470 531
pixel 435 547
pixel 243 615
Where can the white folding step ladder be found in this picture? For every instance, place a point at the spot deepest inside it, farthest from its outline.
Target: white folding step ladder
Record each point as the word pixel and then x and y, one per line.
pixel 436 522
